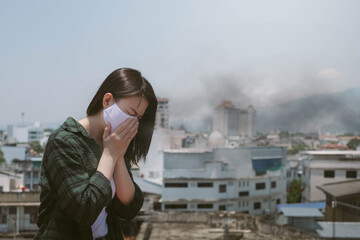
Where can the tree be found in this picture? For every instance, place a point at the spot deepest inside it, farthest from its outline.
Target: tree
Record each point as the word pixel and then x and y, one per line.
pixel 348 134
pixel 297 148
pixel 36 147
pixel 2 159
pixel 353 143
pixel 50 130
pixel 294 194
pixel 284 134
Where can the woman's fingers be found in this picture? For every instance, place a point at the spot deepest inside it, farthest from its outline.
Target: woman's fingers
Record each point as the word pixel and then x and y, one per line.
pixel 132 135
pixel 125 127
pixel 107 130
pixel 132 132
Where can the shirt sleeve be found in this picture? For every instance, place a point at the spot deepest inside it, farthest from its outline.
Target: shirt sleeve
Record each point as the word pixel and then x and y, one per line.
pixel 81 196
pixel 130 210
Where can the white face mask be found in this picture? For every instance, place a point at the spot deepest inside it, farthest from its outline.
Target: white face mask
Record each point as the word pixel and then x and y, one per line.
pixel 115 116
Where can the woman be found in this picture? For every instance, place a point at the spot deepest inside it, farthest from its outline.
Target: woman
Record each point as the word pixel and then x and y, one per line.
pixel 86 182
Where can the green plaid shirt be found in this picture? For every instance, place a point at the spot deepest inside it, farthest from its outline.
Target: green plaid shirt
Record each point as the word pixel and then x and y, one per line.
pixel 73 192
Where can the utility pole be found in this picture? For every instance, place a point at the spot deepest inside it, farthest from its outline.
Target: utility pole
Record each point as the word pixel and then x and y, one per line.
pixel 333 205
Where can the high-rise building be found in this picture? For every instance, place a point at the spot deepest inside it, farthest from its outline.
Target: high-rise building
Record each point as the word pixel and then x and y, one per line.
pixel 162 114
pixel 232 121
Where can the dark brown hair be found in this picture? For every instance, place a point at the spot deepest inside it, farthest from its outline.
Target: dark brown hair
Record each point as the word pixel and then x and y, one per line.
pixel 126 82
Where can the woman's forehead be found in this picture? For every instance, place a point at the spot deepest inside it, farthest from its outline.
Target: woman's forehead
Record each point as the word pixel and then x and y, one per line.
pixel 134 102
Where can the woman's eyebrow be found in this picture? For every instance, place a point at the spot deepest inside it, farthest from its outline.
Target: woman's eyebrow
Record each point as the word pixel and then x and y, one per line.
pixel 136 113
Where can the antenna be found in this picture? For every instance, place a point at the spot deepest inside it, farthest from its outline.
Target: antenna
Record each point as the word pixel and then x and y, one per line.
pixel 22 118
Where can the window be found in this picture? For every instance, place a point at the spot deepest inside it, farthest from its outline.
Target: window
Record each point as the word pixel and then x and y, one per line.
pixel 278 201
pixel 329 174
pixel 205 205
pixel 33 213
pixel 260 186
pixel 12 210
pixel 176 185
pixel 244 194
pixel 222 188
pixel 175 206
pixel 222 207
pixel 273 184
pixel 257 205
pixel 3 215
pixel 351 174
pixel 205 184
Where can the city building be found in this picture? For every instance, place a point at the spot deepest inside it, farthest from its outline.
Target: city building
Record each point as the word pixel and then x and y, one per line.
pixel 10 181
pixel 243 179
pixel 232 121
pixel 30 169
pixel 17 152
pixel 323 167
pixel 162 114
pixel 18 211
pixel 342 201
pixel 24 134
pixel 338 230
pixel 162 139
pixel 302 218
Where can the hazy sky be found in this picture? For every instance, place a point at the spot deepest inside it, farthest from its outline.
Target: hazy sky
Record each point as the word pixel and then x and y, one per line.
pixel 55 54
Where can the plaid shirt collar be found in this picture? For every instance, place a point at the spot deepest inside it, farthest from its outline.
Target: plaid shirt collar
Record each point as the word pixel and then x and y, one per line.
pixel 71 125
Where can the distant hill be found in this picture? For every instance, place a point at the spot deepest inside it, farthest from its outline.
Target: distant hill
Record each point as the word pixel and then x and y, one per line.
pixel 335 112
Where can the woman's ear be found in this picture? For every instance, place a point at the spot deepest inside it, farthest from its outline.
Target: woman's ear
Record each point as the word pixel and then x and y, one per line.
pixel 108 100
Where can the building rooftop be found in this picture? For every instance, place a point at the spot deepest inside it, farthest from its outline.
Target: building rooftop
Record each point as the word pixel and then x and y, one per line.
pixel 340 189
pixel 301 212
pixel 333 152
pixel 349 230
pixel 317 205
pixel 188 150
pixel 163 100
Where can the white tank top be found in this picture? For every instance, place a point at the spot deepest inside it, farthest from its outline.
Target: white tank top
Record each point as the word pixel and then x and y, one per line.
pixel 100 228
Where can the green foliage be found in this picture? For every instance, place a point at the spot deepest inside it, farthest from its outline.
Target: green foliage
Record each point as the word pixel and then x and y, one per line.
pixel 37 147
pixel 297 148
pixel 2 159
pixel 297 134
pixel 346 135
pixel 294 194
pixel 285 134
pixel 50 130
pixel 353 143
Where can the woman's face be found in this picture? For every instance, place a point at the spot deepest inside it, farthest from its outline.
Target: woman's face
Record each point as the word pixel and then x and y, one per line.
pixel 133 106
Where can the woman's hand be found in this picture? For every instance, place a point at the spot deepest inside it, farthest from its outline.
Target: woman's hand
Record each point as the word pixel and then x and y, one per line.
pixel 117 142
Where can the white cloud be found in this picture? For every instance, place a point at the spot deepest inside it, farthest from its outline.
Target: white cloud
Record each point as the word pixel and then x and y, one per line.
pixel 329 73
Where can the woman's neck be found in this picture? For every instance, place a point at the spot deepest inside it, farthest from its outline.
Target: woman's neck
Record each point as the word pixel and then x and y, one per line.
pixel 94 126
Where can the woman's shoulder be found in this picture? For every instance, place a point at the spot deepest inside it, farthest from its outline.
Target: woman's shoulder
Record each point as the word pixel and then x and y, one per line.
pixel 67 134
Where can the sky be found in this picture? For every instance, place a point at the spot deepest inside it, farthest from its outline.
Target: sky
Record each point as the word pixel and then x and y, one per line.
pixel 55 54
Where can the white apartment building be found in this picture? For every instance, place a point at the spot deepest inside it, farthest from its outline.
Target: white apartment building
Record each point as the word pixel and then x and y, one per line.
pixel 322 167
pixel 243 179
pixel 23 134
pixel 162 114
pixel 10 181
pixel 231 121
